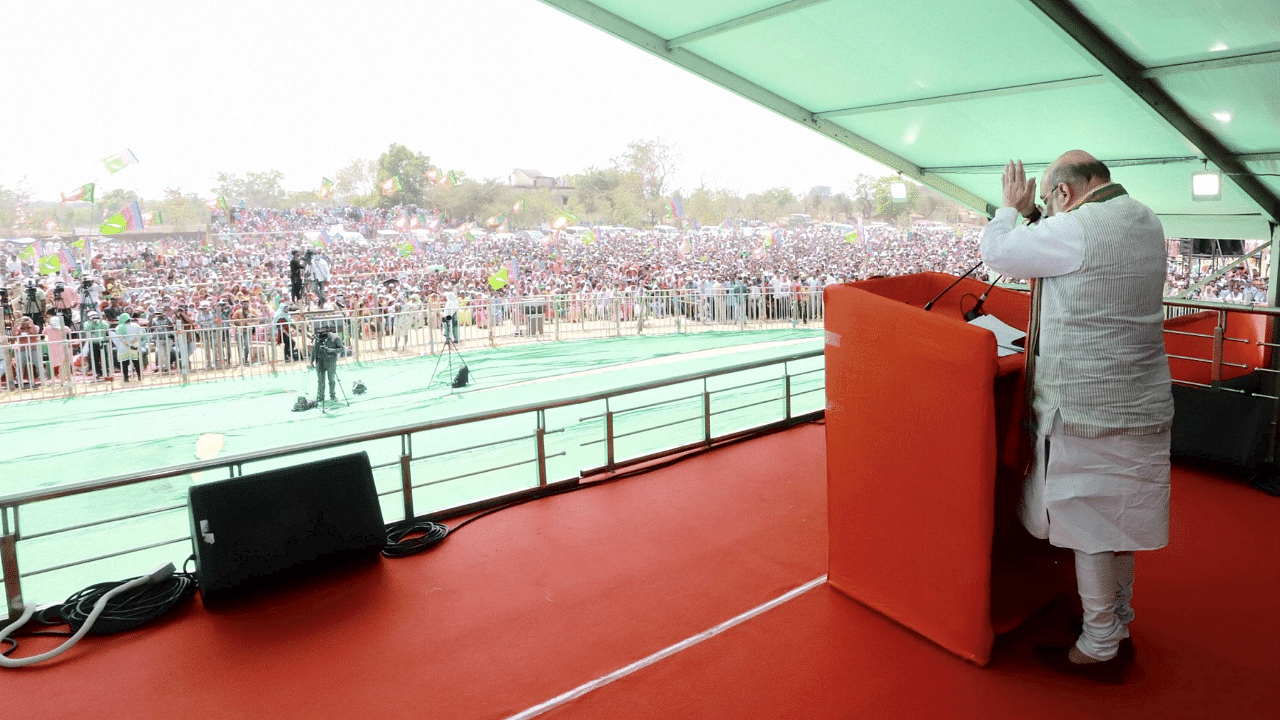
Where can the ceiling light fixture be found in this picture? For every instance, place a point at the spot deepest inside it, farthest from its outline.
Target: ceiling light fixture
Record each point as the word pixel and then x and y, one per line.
pixel 898 190
pixel 1206 185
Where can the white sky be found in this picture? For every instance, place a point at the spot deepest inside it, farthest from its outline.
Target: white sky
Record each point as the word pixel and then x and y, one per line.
pixel 484 86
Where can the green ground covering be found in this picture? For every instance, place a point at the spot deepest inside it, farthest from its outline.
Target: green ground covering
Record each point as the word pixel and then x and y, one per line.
pixel 85 438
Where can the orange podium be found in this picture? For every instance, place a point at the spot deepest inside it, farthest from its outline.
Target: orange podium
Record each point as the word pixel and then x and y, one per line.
pixel 925 458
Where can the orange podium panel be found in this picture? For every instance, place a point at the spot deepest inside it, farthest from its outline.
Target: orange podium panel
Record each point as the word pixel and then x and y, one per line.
pixel 921 494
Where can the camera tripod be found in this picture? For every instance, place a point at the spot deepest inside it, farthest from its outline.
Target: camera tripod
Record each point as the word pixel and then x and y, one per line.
pixel 338 379
pixel 464 373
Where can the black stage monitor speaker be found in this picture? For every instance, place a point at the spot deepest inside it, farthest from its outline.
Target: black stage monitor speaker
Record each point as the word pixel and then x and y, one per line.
pixel 1221 426
pixel 257 530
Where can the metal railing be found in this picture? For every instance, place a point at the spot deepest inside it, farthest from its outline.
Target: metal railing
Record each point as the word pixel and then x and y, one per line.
pixel 149 505
pixel 73 363
pixel 1219 339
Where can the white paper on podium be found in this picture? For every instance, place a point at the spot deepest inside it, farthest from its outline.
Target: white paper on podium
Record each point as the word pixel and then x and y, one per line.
pixel 1005 334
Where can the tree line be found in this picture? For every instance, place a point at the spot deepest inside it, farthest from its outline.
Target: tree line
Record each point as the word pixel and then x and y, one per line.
pixel 634 189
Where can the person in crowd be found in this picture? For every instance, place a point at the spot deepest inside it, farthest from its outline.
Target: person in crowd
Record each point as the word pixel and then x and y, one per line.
pixel 295 276
pixel 57 345
pixel 128 341
pixel 319 276
pixel 25 338
pixel 96 331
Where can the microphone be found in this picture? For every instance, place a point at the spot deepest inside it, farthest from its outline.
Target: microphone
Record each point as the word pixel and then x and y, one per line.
pixel 976 310
pixel 929 305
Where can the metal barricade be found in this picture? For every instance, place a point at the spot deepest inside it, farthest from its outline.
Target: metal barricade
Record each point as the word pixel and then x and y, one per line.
pixel 67 523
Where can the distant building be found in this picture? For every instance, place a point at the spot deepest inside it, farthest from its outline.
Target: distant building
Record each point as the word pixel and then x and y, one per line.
pixel 535 180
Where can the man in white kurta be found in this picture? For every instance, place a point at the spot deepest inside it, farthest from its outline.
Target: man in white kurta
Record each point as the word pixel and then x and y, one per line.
pixel 1102 400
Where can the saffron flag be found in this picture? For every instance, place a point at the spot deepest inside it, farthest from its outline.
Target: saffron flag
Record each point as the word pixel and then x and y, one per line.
pixel 119 161
pixel 326 188
pixel 560 223
pixel 432 175
pixel 492 221
pixel 390 186
pixel 518 206
pixel 66 260
pixel 84 193
pixel 402 222
pixel 454 179
pixel 154 217
pixel 32 252
pixel 218 203
pixel 684 249
pixel 51 224
pixel 498 280
pixel 129 218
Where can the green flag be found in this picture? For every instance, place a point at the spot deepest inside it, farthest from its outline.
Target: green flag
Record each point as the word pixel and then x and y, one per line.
pixel 498 280
pixel 406 249
pixel 851 237
pixel 113 225
pixel 50 264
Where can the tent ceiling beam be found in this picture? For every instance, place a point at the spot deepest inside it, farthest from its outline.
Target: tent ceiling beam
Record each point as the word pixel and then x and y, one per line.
pixel 741 22
pixel 1229 61
pixel 1040 165
pixel 974 95
pixel 1074 28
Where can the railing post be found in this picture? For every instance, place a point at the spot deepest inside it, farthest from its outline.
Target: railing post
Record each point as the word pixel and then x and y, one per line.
pixel 406 476
pixel 786 378
pixel 555 315
pixel 431 333
pixel 9 563
pixel 493 320
pixel 608 434
pixel 1219 332
pixel 616 304
pixel 540 440
pixel 706 413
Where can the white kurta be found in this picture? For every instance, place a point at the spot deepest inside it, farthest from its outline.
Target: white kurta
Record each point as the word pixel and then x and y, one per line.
pixel 1093 493
pixel 1098 494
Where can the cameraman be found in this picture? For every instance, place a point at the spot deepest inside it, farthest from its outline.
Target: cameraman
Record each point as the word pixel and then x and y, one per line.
pixel 89 296
pixel 64 298
pixel 324 355
pixel 33 303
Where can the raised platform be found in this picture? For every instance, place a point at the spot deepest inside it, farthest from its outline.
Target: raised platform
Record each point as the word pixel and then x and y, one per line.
pixel 534 602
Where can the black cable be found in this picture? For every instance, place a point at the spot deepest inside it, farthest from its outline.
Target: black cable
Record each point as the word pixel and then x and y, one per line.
pixel 129 609
pixel 123 612
pixel 397 546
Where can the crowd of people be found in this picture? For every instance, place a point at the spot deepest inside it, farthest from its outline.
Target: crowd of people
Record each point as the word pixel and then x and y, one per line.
pixel 257 269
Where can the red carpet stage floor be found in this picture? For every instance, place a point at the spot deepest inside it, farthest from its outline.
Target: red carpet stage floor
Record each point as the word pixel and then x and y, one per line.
pixel 524 606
